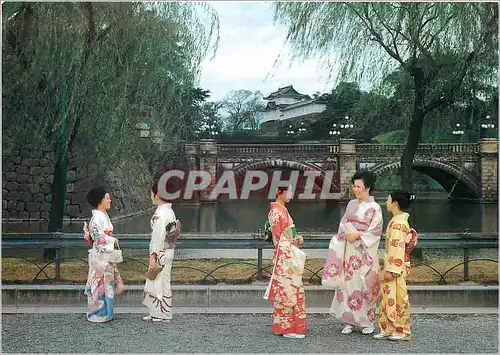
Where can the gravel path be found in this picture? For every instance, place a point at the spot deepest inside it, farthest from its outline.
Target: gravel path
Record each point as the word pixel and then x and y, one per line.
pixel 248 333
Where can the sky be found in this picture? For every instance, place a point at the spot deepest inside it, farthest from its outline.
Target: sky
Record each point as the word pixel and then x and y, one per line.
pixel 249 45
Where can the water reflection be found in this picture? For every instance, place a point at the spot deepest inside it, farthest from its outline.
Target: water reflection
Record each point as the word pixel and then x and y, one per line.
pixel 431 215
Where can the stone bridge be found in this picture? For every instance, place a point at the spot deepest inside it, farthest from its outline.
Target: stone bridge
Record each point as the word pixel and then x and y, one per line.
pixel 464 170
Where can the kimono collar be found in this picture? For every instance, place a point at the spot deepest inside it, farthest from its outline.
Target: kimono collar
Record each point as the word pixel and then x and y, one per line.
pixel 403 217
pixel 96 212
pixel 164 206
pixel 278 205
pixel 368 199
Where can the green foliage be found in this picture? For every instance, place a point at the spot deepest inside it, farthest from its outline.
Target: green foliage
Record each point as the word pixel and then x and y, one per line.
pixel 126 63
pixel 347 104
pixel 438 45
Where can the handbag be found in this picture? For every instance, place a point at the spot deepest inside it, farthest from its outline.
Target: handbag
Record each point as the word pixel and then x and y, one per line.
pixel 116 255
pixel 152 274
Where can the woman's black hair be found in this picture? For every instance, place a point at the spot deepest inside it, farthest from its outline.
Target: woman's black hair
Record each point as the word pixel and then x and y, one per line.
pixel 96 195
pixel 281 189
pixel 403 198
pixel 368 178
pixel 154 188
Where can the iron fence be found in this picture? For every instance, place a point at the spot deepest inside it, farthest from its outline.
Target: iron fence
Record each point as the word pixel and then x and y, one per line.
pixel 238 241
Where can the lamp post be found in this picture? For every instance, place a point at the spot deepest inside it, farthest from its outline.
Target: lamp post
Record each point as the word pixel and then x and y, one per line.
pixel 213 132
pixel 145 132
pixel 290 131
pixel 334 132
pixel 346 126
pixel 485 126
pixel 302 129
pixel 458 131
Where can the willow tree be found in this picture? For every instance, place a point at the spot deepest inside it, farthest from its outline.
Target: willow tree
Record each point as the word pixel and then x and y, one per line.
pixel 79 77
pixel 436 43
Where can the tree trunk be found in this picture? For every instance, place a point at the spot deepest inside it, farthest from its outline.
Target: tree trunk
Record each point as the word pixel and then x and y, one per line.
pixel 57 208
pixel 58 196
pixel 414 132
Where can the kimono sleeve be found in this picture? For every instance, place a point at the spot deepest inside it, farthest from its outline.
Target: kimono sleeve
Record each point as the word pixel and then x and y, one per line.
pixel 276 219
pixel 158 234
pixel 395 253
pixel 102 241
pixel 372 234
pixel 343 220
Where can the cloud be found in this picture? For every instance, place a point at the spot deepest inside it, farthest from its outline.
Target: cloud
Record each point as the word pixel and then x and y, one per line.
pixel 249 46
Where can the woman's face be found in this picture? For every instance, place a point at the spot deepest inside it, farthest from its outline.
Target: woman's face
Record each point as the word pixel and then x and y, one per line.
pixel 154 198
pixel 106 202
pixel 285 196
pixel 392 206
pixel 359 190
pixel 388 203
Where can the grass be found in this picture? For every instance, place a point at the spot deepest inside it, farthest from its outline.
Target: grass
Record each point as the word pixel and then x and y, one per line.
pixel 233 271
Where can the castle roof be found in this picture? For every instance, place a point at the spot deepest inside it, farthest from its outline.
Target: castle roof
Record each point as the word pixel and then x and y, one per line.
pixel 287 91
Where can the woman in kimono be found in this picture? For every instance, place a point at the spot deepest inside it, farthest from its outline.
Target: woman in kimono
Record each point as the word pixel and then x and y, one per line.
pixel 285 288
pixel 165 229
pixel 103 282
pixel 352 265
pixel 400 239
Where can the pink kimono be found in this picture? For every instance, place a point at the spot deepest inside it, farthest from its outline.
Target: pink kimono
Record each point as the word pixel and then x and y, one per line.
pixel 285 287
pixel 353 268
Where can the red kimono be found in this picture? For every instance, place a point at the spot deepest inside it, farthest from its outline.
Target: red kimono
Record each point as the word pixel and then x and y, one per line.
pixel 285 288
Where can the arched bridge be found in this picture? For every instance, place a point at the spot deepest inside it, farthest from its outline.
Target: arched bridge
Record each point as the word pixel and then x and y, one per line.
pixel 464 170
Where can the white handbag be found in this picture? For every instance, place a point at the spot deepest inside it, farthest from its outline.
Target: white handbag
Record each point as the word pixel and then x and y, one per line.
pixel 116 256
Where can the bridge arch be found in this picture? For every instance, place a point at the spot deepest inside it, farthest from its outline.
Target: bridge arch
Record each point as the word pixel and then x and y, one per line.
pixel 456 180
pixel 276 163
pixel 293 165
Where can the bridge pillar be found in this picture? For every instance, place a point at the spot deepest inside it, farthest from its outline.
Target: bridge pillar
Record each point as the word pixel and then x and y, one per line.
pixel 347 166
pixel 208 163
pixel 488 168
pixel 207 218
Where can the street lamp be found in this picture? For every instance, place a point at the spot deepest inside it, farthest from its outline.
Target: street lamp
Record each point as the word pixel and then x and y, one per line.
pixel 302 129
pixel 290 130
pixel 458 131
pixel 145 132
pixel 346 126
pixel 334 132
pixel 487 125
pixel 213 130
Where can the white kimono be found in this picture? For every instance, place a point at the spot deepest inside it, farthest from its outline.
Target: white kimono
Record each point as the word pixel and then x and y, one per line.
pixel 157 293
pixel 103 280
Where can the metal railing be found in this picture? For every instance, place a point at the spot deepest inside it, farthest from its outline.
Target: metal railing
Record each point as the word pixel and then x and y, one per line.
pixel 278 149
pixel 240 241
pixel 252 150
pixel 423 149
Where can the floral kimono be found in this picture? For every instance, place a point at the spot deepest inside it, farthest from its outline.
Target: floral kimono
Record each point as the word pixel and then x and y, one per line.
pixel 394 315
pixel 103 281
pixel 157 293
pixel 353 268
pixel 285 288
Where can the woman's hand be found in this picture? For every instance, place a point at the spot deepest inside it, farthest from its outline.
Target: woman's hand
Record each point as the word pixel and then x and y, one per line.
pixel 300 239
pixel 351 238
pixel 388 276
pixel 152 262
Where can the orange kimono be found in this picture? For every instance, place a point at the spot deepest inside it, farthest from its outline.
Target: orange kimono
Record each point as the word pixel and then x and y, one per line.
pixel 285 288
pixel 394 315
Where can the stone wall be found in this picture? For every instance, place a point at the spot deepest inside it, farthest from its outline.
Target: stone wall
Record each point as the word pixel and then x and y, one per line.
pixel 347 167
pixel 489 169
pixel 27 178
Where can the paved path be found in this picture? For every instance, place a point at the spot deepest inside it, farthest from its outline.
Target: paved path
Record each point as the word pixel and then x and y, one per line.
pixel 237 333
